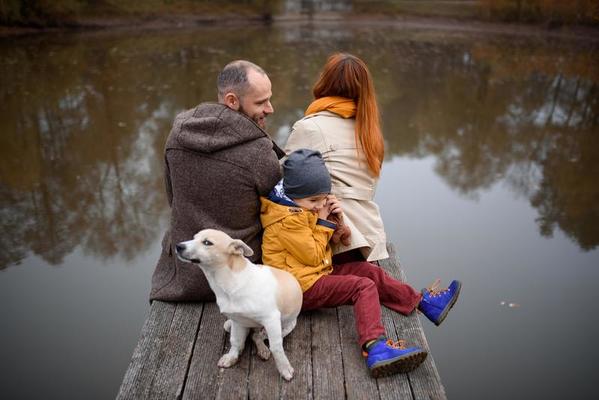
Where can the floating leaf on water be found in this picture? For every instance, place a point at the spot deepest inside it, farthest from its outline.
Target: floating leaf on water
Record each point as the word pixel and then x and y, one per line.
pixel 121 124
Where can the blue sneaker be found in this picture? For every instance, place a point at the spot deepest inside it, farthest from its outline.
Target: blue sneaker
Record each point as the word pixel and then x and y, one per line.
pixel 387 358
pixel 435 303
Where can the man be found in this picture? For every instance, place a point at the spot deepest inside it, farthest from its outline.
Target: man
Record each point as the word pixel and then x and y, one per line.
pixel 218 162
pixel 244 87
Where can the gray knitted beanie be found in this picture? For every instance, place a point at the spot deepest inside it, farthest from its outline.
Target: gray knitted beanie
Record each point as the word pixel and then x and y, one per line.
pixel 305 175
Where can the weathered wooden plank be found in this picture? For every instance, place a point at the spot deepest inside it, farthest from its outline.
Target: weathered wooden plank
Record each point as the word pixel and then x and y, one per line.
pixel 396 386
pixel 264 380
pixel 144 362
pixel 202 378
pixel 298 346
pixel 358 383
pixel 177 351
pixel 425 382
pixel 233 382
pixel 327 365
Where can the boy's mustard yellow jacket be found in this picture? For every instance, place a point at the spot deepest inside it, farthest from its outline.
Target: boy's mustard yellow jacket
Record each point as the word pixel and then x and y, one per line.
pixel 297 241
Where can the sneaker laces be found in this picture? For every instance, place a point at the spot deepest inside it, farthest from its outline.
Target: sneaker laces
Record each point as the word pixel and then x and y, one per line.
pixel 434 288
pixel 399 344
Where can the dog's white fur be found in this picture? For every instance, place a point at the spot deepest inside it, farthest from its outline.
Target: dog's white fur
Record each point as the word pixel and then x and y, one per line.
pixel 250 295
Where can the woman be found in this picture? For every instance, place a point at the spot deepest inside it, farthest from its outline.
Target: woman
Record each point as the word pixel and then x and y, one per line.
pixel 343 123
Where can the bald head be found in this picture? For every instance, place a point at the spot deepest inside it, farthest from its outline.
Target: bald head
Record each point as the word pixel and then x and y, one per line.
pixel 234 78
pixel 243 86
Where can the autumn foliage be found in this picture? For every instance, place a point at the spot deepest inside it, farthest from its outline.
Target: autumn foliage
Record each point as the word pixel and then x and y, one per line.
pixel 547 11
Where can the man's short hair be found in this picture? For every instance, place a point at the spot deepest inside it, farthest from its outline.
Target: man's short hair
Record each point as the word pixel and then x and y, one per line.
pixel 234 78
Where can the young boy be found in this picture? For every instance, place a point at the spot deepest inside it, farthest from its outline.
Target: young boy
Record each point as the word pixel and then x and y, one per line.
pixel 297 219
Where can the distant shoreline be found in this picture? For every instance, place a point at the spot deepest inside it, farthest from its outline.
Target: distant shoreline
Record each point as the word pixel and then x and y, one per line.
pixel 174 21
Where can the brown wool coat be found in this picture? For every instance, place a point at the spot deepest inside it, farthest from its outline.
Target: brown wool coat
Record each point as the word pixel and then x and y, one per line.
pixel 218 164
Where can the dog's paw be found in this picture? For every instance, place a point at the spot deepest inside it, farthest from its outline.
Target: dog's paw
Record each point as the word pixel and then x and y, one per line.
pixel 263 352
pixel 227 361
pixel 227 325
pixel 286 372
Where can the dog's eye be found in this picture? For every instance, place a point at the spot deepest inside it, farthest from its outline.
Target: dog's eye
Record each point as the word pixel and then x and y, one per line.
pixel 207 242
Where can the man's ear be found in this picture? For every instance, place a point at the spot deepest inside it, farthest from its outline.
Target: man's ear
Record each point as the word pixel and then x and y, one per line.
pixel 238 247
pixel 232 101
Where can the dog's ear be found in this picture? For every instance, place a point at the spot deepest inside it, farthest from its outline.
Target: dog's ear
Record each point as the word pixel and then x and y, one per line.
pixel 238 247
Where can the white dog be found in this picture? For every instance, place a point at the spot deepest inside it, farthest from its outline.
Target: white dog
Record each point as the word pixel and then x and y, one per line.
pixel 250 295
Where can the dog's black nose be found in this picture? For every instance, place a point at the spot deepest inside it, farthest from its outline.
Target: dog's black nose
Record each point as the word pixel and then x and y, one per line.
pixel 179 247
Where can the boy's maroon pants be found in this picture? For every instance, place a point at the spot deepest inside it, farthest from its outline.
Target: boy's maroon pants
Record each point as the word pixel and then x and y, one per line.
pixel 366 286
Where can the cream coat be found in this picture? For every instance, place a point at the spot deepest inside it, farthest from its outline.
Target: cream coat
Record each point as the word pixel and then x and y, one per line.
pixel 351 180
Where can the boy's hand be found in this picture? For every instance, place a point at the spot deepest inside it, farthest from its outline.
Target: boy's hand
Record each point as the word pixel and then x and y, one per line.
pixel 323 213
pixel 331 207
pixel 334 207
pixel 342 232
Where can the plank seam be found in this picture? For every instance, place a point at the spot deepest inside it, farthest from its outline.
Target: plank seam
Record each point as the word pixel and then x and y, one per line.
pixel 161 352
pixel 411 386
pixel 193 346
pixel 341 347
pixel 249 350
pixel 312 353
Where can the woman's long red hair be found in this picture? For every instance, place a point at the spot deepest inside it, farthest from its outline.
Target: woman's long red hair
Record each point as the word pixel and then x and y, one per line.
pixel 347 76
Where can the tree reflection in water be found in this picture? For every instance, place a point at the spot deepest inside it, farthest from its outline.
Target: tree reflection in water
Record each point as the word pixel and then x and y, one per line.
pixel 84 119
pixel 526 115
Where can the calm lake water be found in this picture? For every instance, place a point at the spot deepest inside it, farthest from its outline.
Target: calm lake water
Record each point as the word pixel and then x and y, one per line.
pixel 491 176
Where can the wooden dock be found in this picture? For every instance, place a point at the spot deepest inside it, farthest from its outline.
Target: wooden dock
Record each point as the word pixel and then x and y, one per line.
pixel 181 343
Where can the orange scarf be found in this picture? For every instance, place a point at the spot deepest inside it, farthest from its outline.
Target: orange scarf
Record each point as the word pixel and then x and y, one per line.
pixel 341 106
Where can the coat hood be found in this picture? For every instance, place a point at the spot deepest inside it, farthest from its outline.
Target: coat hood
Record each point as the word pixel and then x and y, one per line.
pixel 212 127
pixel 271 212
pixel 277 206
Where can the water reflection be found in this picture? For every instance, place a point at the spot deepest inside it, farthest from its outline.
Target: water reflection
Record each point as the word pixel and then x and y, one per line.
pixel 520 114
pixel 84 119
